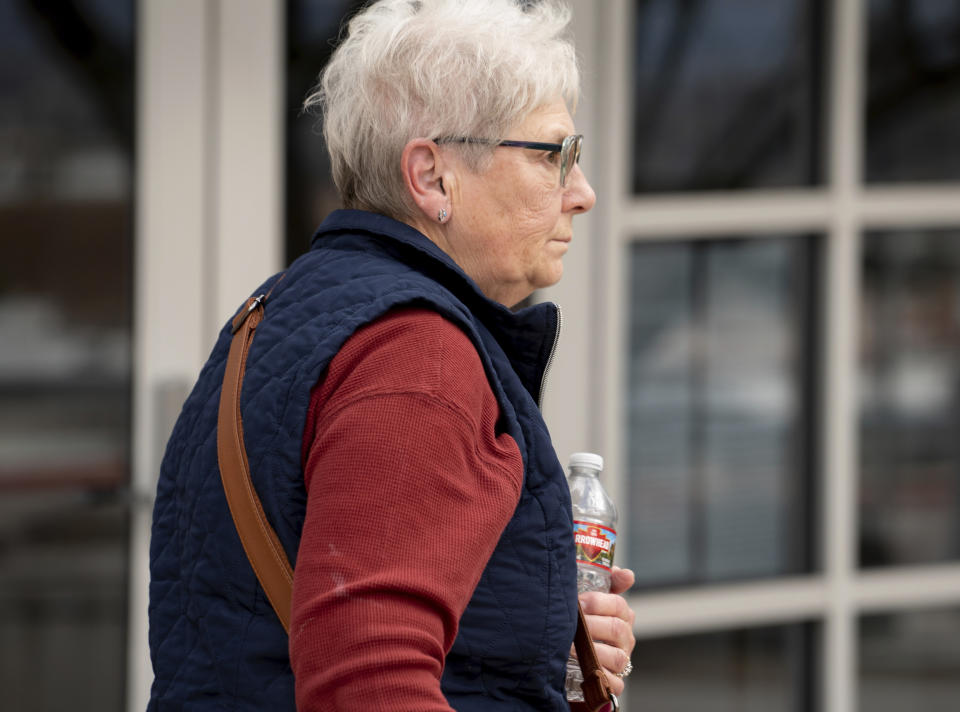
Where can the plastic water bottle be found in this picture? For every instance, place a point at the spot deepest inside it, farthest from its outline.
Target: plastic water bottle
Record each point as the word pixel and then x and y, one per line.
pixel 595 535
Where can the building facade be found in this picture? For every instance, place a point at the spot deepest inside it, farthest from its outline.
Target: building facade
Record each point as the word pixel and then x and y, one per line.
pixel 762 323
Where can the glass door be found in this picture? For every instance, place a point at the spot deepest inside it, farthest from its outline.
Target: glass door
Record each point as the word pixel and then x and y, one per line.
pixel 66 218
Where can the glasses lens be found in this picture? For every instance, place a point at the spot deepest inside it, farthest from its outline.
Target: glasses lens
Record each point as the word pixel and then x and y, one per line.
pixel 569 155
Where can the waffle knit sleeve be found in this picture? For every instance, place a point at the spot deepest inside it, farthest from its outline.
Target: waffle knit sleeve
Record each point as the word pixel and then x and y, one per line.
pixel 409 486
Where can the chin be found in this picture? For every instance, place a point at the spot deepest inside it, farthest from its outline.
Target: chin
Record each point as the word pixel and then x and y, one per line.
pixel 551 277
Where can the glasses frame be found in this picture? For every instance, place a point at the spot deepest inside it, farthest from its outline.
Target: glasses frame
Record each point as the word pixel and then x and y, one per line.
pixel 571 146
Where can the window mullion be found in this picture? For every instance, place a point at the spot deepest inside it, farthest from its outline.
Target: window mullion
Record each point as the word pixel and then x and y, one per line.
pixel 839 435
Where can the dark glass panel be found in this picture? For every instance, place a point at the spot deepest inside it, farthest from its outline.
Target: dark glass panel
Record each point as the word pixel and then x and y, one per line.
pixel 63 599
pixel 726 94
pixel 719 407
pixel 66 147
pixel 913 91
pixel 312 30
pixel 910 398
pixel 765 669
pixel 910 661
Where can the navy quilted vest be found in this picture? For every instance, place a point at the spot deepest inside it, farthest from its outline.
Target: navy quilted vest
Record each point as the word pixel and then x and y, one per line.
pixel 214 640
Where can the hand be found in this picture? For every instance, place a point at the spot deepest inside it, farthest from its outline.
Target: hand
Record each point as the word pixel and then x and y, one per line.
pixel 610 622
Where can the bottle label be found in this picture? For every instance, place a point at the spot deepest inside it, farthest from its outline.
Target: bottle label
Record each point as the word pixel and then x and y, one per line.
pixel 595 544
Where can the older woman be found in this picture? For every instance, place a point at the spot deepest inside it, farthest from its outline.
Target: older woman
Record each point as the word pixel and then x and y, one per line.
pixel 390 401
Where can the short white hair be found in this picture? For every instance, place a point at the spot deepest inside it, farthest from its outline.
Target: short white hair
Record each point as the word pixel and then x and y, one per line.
pixel 436 68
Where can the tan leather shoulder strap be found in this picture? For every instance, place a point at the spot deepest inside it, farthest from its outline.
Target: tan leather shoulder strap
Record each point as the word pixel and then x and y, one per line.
pixel 259 540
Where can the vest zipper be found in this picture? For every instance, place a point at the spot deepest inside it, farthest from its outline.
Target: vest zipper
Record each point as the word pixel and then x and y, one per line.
pixel 553 352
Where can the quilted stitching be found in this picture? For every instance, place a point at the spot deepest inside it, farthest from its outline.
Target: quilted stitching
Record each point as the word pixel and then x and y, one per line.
pixel 214 639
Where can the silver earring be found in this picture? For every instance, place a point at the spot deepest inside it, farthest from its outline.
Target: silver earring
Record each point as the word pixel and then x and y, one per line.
pixel 442 215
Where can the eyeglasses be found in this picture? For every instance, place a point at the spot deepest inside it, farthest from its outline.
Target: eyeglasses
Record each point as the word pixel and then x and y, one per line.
pixel 569 150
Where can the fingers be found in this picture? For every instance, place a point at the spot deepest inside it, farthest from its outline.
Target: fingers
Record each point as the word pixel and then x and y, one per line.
pixel 612 631
pixel 620 579
pixel 610 624
pixel 613 660
pixel 595 603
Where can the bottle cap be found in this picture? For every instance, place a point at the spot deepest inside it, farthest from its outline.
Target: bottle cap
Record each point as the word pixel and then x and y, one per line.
pixel 586 459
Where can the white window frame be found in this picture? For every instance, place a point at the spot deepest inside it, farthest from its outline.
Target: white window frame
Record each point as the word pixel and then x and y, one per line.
pixel 590 410
pixel 208 225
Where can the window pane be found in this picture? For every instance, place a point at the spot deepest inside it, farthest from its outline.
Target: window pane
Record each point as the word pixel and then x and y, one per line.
pixel 63 599
pixel 753 670
pixel 726 94
pixel 719 444
pixel 913 91
pixel 910 397
pixel 66 145
pixel 910 661
pixel 312 29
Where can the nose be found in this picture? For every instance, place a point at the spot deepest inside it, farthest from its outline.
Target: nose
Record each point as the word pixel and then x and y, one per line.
pixel 578 196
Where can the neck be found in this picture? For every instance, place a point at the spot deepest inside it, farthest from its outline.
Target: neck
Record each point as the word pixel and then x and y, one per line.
pixel 505 294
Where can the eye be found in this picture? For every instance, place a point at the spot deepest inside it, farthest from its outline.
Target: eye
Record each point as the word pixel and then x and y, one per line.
pixel 553 157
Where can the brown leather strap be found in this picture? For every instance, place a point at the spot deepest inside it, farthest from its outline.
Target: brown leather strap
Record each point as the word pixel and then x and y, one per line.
pixel 260 541
pixel 597 694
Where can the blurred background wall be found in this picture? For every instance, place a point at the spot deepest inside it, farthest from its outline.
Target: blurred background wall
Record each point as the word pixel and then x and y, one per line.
pixel 762 329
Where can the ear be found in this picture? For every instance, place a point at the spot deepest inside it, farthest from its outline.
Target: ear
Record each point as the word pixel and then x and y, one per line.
pixel 423 173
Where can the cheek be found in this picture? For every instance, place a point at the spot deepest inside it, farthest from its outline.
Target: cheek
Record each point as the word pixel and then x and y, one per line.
pixel 539 211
